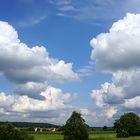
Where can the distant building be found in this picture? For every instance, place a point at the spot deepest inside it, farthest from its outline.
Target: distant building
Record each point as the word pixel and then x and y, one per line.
pixel 36 129
pixel 39 129
pixel 52 129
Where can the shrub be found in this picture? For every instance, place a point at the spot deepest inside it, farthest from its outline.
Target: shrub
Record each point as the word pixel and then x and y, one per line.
pixel 123 134
pixel 9 132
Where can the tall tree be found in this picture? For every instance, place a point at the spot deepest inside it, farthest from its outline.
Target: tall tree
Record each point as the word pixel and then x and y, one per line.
pixel 75 128
pixel 128 125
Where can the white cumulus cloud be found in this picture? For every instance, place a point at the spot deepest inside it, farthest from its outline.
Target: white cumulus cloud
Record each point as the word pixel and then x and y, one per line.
pixel 55 102
pixel 118 49
pixel 118 52
pixel 31 71
pixel 21 64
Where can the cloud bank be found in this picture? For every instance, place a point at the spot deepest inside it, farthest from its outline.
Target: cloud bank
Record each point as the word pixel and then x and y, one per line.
pixel 32 72
pixel 29 109
pixel 118 52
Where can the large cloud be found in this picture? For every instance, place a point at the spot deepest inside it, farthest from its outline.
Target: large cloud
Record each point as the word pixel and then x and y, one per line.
pixel 20 64
pixel 118 52
pixel 120 48
pixel 98 117
pixel 31 71
pixel 54 99
pixel 55 102
pixel 125 85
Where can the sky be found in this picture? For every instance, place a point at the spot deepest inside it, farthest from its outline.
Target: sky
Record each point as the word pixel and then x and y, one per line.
pixel 57 56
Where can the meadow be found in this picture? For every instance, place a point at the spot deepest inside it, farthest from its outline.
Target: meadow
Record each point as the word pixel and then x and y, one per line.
pixel 95 135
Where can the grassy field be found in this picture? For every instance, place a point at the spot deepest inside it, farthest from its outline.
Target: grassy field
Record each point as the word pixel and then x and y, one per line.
pixel 47 136
pixel 97 135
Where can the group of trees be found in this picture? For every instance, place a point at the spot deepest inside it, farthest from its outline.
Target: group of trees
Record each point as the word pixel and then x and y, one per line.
pixel 31 124
pixel 76 128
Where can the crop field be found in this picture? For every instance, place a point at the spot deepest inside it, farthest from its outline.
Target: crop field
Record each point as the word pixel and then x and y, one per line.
pixel 99 135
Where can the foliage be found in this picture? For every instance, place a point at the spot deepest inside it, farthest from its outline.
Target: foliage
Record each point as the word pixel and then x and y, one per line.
pixel 9 132
pixel 105 128
pixel 75 128
pixel 61 128
pixel 128 125
pixel 123 134
pixel 31 124
pixel 30 129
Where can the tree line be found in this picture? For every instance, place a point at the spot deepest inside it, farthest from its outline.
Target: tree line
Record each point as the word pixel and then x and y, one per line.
pixel 30 124
pixel 76 128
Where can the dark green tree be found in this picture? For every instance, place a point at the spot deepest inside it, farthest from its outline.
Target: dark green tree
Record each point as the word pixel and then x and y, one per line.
pixel 128 125
pixel 75 128
pixel 9 132
pixel 105 128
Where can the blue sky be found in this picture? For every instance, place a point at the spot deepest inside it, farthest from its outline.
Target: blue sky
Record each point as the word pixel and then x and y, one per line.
pixel 71 71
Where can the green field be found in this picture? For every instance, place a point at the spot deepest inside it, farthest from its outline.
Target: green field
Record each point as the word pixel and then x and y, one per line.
pixel 97 135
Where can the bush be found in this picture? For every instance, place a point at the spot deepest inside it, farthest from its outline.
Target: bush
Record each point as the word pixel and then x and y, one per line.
pixel 9 132
pixel 31 129
pixel 123 134
pixel 105 128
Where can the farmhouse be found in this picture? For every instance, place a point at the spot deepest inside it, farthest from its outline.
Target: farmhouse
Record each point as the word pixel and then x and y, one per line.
pixel 39 129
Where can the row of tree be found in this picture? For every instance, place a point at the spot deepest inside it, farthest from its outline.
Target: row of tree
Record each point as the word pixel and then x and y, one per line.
pixel 76 128
pixel 31 124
